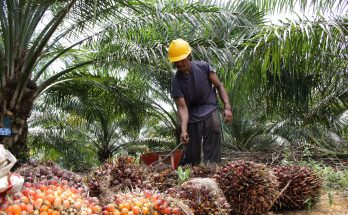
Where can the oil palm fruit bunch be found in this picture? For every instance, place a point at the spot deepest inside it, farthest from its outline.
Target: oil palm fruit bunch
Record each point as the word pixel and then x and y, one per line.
pixel 249 187
pixel 300 186
pixel 120 174
pixel 110 165
pixel 99 176
pixel 94 187
pixel 203 171
pixel 202 195
pixel 51 173
pixel 143 202
pixel 44 198
pixel 160 177
pixel 126 174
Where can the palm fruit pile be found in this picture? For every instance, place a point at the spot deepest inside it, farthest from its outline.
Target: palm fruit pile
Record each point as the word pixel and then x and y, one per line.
pixel 301 186
pixel 203 171
pixel 98 177
pixel 160 177
pixel 39 173
pixel 143 202
pixel 126 173
pixel 202 195
pixel 250 188
pixel 44 198
pixel 114 176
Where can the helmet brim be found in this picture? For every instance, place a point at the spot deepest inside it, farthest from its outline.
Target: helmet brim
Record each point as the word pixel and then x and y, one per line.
pixel 178 58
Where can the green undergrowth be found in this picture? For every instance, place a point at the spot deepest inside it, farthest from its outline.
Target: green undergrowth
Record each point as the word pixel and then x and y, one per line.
pixel 334 178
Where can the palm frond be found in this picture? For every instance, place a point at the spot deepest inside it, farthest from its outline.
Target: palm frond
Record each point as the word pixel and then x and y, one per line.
pixel 311 5
pixel 289 61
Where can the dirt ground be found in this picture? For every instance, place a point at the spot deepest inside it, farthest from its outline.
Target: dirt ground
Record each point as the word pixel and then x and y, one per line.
pixel 339 206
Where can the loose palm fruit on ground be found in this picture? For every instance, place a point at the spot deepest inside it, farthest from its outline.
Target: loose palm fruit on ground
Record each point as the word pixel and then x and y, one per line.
pixel 203 171
pixel 249 187
pixel 160 177
pixel 42 198
pixel 301 187
pixel 143 202
pixel 116 175
pixel 56 174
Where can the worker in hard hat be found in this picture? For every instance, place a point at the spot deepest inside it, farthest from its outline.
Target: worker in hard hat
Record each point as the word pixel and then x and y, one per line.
pixel 193 90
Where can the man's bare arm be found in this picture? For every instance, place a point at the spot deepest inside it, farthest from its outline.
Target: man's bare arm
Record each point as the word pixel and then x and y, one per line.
pixel 183 117
pixel 223 96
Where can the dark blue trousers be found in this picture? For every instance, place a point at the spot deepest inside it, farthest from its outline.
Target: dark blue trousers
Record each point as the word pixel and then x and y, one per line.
pixel 204 135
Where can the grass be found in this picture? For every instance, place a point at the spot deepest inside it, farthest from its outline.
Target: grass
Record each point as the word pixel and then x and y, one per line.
pixel 334 178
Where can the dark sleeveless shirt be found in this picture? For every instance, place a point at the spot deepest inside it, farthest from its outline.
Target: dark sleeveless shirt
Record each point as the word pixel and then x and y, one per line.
pixel 197 90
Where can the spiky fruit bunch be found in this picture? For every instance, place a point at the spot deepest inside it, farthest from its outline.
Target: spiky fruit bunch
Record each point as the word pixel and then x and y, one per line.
pixel 39 173
pixel 143 202
pixel 250 188
pixel 100 176
pixel 44 198
pixel 160 177
pixel 126 174
pixel 299 185
pixel 115 176
pixel 203 171
pixel 94 187
pixel 203 196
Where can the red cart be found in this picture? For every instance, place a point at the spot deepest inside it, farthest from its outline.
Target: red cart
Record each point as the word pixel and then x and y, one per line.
pixel 170 158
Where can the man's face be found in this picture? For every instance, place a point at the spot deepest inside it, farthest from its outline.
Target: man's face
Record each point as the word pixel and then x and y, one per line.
pixel 183 65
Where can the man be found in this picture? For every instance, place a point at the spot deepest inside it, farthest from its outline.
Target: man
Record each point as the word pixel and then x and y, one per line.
pixel 193 89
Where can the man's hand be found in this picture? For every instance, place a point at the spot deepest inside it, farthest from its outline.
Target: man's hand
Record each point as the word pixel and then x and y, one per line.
pixel 184 137
pixel 228 115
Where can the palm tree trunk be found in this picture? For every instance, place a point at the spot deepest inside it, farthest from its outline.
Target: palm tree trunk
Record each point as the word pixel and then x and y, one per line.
pixel 104 155
pixel 17 141
pixel 20 148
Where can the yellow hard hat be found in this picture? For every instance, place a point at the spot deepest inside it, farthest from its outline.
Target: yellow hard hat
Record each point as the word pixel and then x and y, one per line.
pixel 179 49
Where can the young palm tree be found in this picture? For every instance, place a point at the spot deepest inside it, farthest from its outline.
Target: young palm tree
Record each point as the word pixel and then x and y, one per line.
pixel 56 136
pixel 35 36
pixel 111 111
pixel 296 74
